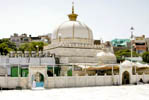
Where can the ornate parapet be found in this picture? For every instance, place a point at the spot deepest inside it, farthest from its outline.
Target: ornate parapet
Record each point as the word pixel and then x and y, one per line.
pixel 26 53
pixel 70 40
pixel 73 45
pixel 33 53
pixel 13 54
pixel 19 54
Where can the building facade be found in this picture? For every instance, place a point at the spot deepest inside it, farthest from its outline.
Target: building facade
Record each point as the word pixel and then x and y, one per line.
pixel 24 38
pixel 147 43
pixel 120 44
pixel 19 39
pixel 140 44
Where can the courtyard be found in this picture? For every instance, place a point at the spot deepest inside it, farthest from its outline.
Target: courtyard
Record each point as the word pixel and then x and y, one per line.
pixel 126 92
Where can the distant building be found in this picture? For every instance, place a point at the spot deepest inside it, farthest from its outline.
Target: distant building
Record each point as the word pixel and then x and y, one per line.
pixel 139 44
pixel 119 44
pixel 147 43
pixel 46 38
pixel 35 39
pixel 23 38
pixel 19 39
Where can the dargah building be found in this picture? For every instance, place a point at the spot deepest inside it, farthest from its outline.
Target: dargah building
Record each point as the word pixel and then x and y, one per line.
pixel 73 42
pixel 73 59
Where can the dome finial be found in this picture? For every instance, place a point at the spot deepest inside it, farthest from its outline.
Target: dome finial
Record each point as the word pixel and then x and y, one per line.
pixel 73 16
pixel 73 7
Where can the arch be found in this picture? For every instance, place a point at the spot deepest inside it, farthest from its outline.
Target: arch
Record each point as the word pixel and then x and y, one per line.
pixel 38 80
pixel 126 78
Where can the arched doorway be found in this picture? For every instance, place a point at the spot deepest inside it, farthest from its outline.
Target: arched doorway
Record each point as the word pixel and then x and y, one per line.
pixel 37 80
pixel 126 78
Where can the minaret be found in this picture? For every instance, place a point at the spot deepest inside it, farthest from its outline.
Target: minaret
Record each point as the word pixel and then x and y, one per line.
pixel 72 16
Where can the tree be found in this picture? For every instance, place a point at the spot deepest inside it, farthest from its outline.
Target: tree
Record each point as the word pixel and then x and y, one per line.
pixel 32 46
pixel 145 57
pixel 121 54
pixel 9 43
pixel 6 46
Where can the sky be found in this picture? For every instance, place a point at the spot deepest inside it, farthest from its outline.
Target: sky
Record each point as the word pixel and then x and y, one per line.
pixel 108 19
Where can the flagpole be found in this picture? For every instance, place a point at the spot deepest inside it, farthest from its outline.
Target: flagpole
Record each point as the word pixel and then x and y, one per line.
pixel 131 29
pixel 132 36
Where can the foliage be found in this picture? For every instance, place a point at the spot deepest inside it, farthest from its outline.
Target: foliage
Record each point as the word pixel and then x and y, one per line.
pixel 6 46
pixel 32 46
pixel 119 59
pixel 121 54
pixel 145 57
pixel 126 53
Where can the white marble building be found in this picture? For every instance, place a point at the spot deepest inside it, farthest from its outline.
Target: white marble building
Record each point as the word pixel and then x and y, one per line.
pixel 72 42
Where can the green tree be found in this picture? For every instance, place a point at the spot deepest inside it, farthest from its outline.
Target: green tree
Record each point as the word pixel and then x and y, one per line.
pixel 26 47
pixel 9 43
pixel 32 46
pixel 145 57
pixel 121 54
pixel 6 46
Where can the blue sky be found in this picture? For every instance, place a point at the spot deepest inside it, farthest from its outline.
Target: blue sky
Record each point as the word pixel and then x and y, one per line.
pixel 108 19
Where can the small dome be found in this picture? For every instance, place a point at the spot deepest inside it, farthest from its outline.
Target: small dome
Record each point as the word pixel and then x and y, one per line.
pixel 106 57
pixel 74 32
pixel 127 63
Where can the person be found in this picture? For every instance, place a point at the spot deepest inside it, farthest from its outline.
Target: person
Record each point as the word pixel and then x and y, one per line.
pixel 34 84
pixel 141 80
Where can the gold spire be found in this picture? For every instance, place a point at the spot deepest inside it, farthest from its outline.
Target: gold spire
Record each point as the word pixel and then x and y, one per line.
pixel 73 16
pixel 72 7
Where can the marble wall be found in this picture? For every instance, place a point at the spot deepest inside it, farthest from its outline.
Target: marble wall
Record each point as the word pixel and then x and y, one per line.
pixel 76 55
pixel 73 81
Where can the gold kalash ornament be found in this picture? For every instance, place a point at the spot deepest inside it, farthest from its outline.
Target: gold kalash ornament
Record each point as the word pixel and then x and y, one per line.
pixel 73 16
